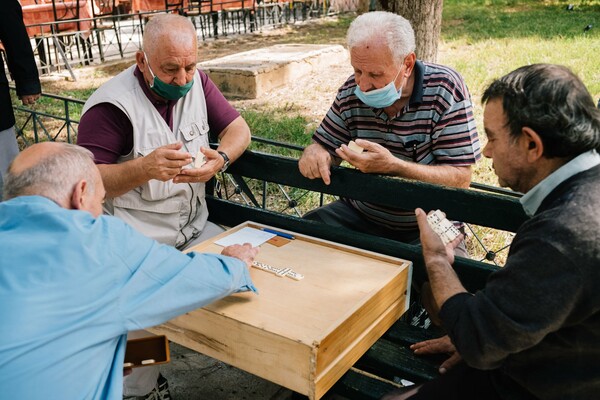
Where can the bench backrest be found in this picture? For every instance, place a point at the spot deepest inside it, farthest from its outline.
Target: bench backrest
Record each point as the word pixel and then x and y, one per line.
pixel 478 207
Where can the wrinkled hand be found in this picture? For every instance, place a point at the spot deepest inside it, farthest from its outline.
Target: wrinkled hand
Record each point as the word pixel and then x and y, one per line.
pixel 376 159
pixel 441 345
pixel 433 246
pixel 316 163
pixel 165 162
pixel 29 99
pixel 244 252
pixel 213 164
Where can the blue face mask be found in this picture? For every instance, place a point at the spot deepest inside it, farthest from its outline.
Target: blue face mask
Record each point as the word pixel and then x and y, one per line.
pixel 380 98
pixel 166 91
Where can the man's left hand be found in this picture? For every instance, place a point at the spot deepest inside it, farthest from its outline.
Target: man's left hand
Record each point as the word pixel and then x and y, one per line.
pixel 214 163
pixel 432 243
pixel 441 345
pixel 376 159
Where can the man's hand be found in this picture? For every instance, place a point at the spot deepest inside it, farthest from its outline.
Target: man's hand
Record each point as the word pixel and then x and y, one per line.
pixel 214 163
pixel 433 247
pixel 29 99
pixel 376 159
pixel 316 163
pixel 439 346
pixel 244 252
pixel 165 162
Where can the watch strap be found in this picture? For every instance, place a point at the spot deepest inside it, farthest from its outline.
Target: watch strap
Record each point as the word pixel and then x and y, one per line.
pixel 226 159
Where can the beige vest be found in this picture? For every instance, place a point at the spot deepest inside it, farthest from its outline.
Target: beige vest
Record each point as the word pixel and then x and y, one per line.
pixel 167 212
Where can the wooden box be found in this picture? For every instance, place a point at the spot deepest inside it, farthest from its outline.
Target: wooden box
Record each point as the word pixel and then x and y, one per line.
pixel 303 335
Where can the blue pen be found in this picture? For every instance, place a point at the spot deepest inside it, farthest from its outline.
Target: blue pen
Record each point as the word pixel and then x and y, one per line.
pixel 284 235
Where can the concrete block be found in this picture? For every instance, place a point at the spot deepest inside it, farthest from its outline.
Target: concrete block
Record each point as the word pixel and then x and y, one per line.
pixel 251 74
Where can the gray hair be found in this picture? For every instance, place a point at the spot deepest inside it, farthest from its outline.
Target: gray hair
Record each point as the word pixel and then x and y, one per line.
pixel 554 102
pixel 54 175
pixel 375 26
pixel 178 29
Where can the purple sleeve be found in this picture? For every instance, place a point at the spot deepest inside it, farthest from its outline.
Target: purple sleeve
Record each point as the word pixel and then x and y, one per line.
pixel 106 131
pixel 220 112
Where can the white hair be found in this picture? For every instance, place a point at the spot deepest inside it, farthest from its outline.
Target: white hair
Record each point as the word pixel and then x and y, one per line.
pixel 385 26
pixel 54 175
pixel 176 28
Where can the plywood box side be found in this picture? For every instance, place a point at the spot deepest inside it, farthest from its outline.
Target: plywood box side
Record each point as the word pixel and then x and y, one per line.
pixel 327 378
pixel 353 326
pixel 261 353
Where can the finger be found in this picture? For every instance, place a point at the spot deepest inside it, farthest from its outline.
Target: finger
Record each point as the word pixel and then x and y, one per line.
pixel 325 172
pixel 450 362
pixel 344 154
pixel 172 146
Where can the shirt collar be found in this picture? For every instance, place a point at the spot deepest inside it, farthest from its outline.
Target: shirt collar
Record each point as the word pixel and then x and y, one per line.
pixel 417 93
pixel 532 200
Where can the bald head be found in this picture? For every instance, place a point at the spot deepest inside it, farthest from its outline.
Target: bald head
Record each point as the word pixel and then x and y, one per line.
pixel 166 30
pixel 55 171
pixel 33 155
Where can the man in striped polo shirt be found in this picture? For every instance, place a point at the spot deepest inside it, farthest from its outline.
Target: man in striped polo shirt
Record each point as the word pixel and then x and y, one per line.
pixel 414 120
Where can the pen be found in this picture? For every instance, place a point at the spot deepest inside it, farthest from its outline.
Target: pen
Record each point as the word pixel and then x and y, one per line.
pixel 284 235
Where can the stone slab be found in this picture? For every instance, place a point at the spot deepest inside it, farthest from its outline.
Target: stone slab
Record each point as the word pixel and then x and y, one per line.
pixel 253 73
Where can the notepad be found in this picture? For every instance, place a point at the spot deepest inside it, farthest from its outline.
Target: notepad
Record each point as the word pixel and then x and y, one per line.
pixel 255 237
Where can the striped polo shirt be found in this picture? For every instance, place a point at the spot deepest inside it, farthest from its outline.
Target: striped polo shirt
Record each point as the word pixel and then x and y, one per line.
pixel 436 127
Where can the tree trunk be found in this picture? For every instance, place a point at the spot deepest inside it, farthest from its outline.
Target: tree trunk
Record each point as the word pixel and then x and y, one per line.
pixel 425 17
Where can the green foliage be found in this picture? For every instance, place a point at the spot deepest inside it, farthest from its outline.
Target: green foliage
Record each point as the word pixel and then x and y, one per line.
pixel 486 39
pixel 280 126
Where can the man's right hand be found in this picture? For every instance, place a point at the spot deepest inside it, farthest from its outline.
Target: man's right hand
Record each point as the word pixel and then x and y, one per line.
pixel 244 252
pixel 316 163
pixel 165 162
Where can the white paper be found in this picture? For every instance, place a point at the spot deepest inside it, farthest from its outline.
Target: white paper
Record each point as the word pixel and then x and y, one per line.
pixel 255 237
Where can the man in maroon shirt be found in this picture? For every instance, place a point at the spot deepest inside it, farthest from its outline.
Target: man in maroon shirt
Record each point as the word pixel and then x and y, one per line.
pixel 149 129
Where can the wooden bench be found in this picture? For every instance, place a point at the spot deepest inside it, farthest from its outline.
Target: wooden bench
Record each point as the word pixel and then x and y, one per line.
pixel 389 359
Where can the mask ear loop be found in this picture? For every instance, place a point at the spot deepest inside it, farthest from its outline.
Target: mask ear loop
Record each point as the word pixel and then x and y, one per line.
pixel 150 69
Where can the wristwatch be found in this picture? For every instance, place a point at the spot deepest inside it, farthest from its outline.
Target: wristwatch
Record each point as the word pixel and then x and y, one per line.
pixel 226 158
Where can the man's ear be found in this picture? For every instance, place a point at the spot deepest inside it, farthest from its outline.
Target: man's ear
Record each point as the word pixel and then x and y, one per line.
pixel 139 59
pixel 78 197
pixel 410 61
pixel 533 144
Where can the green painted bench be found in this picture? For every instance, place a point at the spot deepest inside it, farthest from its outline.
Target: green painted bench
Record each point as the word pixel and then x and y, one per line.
pixel 389 359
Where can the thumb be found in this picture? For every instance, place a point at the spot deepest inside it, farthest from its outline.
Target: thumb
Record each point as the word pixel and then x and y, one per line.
pixel 421 218
pixel 365 144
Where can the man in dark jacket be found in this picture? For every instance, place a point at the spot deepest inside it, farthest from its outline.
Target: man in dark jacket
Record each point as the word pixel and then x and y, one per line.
pixel 21 64
pixel 533 332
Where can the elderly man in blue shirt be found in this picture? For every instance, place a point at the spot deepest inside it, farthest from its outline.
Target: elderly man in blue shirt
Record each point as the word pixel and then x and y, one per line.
pixel 73 282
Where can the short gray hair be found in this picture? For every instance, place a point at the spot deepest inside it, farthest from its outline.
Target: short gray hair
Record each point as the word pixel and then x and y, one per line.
pixel 374 26
pixel 54 176
pixel 177 28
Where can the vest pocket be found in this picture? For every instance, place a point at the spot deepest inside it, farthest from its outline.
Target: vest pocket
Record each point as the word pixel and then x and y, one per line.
pixel 195 135
pixel 159 220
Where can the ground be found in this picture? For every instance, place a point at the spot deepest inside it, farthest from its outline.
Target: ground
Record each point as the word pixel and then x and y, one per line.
pixel 309 97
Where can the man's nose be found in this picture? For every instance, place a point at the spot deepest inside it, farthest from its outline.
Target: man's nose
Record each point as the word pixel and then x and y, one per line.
pixel 180 77
pixel 487 153
pixel 365 84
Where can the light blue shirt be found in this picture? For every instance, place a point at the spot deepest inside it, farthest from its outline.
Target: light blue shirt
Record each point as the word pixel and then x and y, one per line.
pixel 532 200
pixel 71 286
